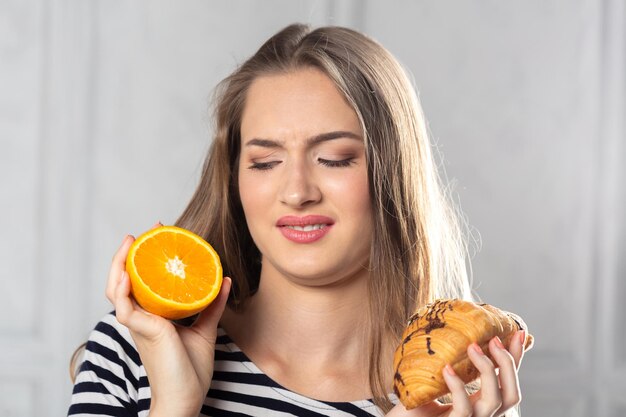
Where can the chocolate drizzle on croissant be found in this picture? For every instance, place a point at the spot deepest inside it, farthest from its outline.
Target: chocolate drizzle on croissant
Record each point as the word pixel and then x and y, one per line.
pixel 440 333
pixel 434 320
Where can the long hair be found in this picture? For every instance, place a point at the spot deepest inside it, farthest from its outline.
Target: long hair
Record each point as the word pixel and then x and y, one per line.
pixel 418 251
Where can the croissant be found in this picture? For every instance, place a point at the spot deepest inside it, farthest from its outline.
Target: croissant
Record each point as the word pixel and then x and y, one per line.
pixel 439 333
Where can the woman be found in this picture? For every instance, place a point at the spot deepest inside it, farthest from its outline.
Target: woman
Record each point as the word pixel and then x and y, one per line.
pixel 321 196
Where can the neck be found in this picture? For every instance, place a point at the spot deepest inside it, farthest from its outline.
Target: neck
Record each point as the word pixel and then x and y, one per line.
pixel 314 322
pixel 289 329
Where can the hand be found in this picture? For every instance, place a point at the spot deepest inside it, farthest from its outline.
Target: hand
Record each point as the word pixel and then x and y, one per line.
pixel 178 360
pixel 498 393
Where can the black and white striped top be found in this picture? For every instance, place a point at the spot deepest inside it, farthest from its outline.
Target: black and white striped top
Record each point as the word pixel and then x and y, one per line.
pixel 112 382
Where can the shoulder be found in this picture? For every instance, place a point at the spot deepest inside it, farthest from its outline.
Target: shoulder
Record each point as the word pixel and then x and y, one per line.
pixel 111 377
pixel 111 341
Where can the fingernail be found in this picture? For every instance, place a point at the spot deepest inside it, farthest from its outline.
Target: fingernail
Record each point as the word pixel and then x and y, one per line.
pixel 498 342
pixel 449 370
pixel 477 349
pixel 522 337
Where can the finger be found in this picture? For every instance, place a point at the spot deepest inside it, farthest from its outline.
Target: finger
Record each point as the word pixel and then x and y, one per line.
pixel 128 312
pixel 489 396
pixel 509 383
pixel 209 318
pixel 461 406
pixel 516 347
pixel 118 265
pixel 124 307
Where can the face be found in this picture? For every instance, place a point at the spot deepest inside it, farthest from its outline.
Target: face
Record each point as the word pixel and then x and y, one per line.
pixel 303 179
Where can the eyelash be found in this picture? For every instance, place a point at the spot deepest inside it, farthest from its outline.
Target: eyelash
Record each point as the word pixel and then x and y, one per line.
pixel 265 166
pixel 336 164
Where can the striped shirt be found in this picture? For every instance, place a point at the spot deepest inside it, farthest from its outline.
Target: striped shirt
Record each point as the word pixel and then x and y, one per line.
pixel 113 382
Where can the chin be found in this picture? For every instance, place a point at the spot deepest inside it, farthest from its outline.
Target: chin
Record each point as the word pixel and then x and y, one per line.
pixel 318 270
pixel 317 277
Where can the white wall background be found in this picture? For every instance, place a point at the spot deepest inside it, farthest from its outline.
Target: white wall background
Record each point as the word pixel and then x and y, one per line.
pixel 103 127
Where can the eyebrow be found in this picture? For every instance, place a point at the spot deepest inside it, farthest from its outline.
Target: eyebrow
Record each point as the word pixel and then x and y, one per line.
pixel 314 140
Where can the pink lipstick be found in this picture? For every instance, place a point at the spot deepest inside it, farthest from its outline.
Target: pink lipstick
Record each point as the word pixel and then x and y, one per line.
pixel 306 229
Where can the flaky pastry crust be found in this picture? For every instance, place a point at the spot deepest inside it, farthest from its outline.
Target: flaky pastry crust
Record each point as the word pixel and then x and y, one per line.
pixel 439 333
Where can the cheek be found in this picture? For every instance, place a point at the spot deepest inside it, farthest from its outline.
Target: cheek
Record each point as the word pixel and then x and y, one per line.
pixel 352 194
pixel 246 197
pixel 253 193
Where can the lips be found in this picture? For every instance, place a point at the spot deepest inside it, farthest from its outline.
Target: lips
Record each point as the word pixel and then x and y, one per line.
pixel 309 220
pixel 306 229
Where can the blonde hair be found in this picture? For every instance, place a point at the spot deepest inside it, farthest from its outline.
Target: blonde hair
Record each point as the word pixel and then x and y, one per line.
pixel 418 251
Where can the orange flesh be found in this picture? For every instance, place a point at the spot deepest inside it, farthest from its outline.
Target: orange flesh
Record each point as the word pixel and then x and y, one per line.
pixel 152 259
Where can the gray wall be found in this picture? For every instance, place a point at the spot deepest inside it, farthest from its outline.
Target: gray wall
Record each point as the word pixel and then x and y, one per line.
pixel 103 126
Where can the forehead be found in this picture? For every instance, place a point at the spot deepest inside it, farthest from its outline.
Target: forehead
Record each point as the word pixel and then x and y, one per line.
pixel 301 101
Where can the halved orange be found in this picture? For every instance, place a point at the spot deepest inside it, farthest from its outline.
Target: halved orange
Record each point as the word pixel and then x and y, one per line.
pixel 173 272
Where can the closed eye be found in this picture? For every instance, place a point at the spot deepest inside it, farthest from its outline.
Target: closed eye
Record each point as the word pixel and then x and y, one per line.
pixel 336 164
pixel 264 166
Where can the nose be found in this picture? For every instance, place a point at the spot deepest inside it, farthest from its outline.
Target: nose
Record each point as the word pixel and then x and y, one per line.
pixel 299 187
